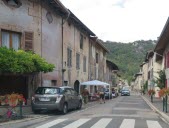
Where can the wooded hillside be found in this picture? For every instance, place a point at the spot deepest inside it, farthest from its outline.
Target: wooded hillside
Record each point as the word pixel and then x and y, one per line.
pixel 128 56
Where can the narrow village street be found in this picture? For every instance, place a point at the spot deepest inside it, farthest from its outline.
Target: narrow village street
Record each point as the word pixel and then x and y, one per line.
pixel 121 112
pixel 58 59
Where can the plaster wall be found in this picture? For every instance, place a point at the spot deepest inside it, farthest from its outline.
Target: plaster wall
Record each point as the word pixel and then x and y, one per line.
pixel 47 41
pixel 52 45
pixel 71 39
pixel 145 72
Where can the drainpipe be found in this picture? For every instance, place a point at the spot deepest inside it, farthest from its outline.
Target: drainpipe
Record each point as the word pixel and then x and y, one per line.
pixel 63 21
pixel 41 40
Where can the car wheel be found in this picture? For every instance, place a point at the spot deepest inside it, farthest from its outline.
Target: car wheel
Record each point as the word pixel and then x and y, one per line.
pixel 79 105
pixel 65 108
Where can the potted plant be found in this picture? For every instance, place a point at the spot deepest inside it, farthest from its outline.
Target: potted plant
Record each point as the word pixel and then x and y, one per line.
pixel 151 92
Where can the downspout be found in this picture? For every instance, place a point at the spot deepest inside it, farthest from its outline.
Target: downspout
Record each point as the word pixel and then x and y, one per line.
pixel 89 64
pixel 41 41
pixel 63 22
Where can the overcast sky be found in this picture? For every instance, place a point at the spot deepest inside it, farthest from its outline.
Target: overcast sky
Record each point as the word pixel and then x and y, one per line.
pixel 122 20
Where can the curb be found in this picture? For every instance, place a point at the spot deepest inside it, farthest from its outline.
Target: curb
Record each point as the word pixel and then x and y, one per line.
pixel 25 118
pixel 166 117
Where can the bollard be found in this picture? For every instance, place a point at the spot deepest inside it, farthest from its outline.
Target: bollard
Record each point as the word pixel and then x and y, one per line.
pixel 20 109
pixel 166 98
pixel 163 104
pixel 152 98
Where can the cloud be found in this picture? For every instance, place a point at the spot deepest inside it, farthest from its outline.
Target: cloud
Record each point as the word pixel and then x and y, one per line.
pixel 122 20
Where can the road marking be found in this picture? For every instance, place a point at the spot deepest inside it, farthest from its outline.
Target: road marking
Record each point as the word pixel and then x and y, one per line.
pixel 102 123
pixel 153 124
pixel 77 123
pixel 128 123
pixel 52 123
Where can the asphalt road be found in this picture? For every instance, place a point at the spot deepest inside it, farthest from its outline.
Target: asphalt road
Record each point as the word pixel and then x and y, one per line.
pixel 122 112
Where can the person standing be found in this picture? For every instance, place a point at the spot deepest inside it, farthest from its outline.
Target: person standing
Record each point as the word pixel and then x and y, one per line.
pixel 102 95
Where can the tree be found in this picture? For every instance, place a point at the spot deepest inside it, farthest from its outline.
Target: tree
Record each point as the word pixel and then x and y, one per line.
pixel 160 81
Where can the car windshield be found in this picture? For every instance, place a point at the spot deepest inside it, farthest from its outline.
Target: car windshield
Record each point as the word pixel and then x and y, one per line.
pixel 47 90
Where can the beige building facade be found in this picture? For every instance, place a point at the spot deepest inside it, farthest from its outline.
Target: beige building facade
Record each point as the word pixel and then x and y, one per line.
pixel 56 34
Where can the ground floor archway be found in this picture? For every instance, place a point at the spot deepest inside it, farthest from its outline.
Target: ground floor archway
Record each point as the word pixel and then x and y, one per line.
pixel 77 86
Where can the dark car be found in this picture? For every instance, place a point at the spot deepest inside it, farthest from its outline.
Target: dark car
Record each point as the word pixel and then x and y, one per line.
pixel 56 98
pixel 125 92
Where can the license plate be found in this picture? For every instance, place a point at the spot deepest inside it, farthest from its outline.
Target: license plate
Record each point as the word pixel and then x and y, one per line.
pixel 44 99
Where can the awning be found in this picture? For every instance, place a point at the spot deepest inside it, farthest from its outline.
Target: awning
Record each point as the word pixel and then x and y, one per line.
pixel 95 82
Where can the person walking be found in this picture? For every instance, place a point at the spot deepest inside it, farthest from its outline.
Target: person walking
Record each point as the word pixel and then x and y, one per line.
pixel 85 95
pixel 102 95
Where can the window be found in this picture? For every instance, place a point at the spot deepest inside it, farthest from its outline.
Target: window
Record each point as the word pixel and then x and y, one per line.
pixel 53 82
pixel 97 57
pixel 10 39
pixel 69 57
pixel 49 17
pixel 81 41
pixel 65 83
pixel 47 90
pixel 84 64
pixel 77 61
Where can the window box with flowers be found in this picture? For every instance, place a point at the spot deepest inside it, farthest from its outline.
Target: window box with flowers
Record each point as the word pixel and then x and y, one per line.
pixel 13 99
pixel 164 92
pixel 10 101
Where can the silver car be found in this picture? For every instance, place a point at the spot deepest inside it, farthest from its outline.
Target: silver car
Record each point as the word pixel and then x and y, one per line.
pixel 56 98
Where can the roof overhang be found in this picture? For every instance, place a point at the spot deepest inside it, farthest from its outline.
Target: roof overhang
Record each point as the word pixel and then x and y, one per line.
pixel 112 65
pixel 58 7
pixel 141 65
pixel 99 42
pixel 138 74
pixel 149 54
pixel 163 40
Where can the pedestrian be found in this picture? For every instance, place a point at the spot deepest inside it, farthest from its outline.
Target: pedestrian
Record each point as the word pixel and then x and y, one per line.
pixel 85 95
pixel 102 95
pixel 113 93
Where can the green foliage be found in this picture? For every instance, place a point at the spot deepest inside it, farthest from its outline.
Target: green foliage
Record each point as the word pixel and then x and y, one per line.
pixel 128 56
pixel 12 61
pixel 160 81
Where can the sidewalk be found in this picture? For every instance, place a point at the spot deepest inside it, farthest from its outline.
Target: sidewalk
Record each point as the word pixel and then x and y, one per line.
pixel 29 115
pixel 157 106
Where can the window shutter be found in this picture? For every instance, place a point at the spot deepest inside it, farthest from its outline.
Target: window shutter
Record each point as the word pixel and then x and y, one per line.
pixel 28 41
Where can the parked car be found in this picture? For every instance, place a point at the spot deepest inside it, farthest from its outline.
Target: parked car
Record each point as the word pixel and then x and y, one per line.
pixel 125 92
pixel 56 98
